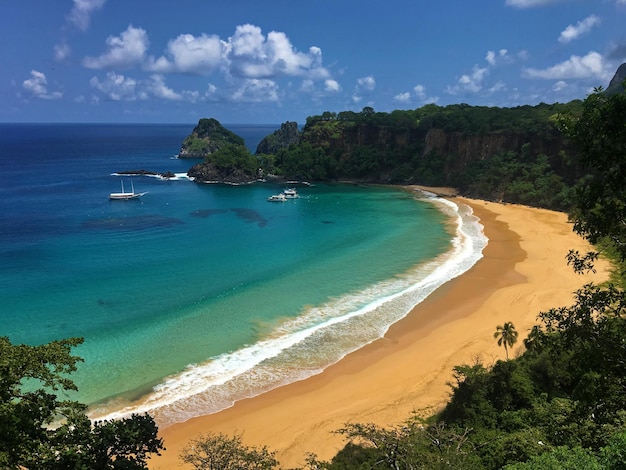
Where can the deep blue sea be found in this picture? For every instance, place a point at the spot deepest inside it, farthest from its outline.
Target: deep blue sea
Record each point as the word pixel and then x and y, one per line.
pixel 198 295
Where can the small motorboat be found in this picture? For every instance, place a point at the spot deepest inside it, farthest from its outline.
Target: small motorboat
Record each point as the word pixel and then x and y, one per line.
pixel 277 198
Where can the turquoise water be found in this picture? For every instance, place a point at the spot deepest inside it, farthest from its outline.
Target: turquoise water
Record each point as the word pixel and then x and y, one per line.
pixel 196 295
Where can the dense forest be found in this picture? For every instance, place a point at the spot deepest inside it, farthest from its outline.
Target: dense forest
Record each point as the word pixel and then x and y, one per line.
pixel 560 404
pixel 505 154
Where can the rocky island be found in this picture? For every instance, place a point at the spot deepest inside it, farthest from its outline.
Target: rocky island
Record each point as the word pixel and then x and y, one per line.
pixel 207 138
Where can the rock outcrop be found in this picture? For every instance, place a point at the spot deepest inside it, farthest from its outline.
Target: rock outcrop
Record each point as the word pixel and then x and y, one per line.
pixel 206 138
pixel 287 135
pixel 209 173
pixel 616 85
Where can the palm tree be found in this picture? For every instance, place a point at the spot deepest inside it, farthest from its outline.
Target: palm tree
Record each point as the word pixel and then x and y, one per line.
pixel 507 336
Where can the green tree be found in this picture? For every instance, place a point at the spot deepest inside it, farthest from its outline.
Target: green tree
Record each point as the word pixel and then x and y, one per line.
pixel 221 452
pixel 600 137
pixel 506 335
pixel 558 459
pixel 412 445
pixel 613 456
pixel 40 430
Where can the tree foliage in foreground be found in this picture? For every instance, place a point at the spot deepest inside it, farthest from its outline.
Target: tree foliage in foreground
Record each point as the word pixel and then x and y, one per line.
pixel 221 452
pixel 600 134
pixel 41 430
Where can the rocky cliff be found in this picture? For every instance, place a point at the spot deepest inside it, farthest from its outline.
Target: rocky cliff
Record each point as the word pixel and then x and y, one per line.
pixel 616 84
pixel 400 145
pixel 287 135
pixel 206 138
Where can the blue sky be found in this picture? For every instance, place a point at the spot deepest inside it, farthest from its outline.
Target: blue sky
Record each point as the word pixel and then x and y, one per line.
pixel 251 61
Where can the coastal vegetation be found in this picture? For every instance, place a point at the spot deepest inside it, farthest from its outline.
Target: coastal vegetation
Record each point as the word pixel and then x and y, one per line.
pixel 41 429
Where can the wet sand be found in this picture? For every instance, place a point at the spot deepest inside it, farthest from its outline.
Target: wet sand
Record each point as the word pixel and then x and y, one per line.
pixel 522 273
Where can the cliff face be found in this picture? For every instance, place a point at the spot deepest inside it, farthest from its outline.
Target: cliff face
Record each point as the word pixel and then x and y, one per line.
pixel 616 84
pixel 466 149
pixel 424 143
pixel 287 135
pixel 344 139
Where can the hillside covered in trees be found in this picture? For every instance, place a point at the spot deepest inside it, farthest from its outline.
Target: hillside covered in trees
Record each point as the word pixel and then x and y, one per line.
pixel 518 155
pixel 504 154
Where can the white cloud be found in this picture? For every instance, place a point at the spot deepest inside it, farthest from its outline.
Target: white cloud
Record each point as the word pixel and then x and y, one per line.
pixel 190 54
pixel 157 88
pixel 591 65
pixel 474 81
pixel 256 91
pixel 116 87
pixel 308 86
pixel 366 83
pixel 249 61
pixel 80 14
pixel 530 3
pixel 247 55
pixel 560 85
pixel 420 91
pixel 403 97
pixel 61 51
pixel 124 51
pixel 572 32
pixel 419 94
pixel 332 85
pixel 250 54
pixel 492 57
pixel 211 93
pixel 37 86
pixel 499 86
pixel 79 17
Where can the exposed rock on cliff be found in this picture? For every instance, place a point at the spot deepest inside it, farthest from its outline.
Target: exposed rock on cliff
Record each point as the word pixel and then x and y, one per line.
pixel 461 149
pixel 206 138
pixel 208 172
pixel 287 135
pixel 617 82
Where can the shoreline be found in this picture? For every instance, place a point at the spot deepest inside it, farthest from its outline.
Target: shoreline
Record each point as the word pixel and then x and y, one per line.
pixel 522 272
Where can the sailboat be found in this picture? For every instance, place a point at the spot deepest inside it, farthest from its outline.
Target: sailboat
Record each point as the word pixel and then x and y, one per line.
pixel 124 195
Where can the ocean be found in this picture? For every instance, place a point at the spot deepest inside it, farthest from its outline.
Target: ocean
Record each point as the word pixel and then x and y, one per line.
pixel 198 295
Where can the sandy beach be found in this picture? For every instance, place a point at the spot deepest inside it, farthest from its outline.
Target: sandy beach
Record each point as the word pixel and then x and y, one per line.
pixel 523 272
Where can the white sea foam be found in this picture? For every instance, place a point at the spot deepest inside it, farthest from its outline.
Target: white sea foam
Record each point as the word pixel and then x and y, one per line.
pixel 304 346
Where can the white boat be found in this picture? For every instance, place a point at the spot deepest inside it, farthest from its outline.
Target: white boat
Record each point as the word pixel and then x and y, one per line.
pixel 290 193
pixel 277 198
pixel 124 195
